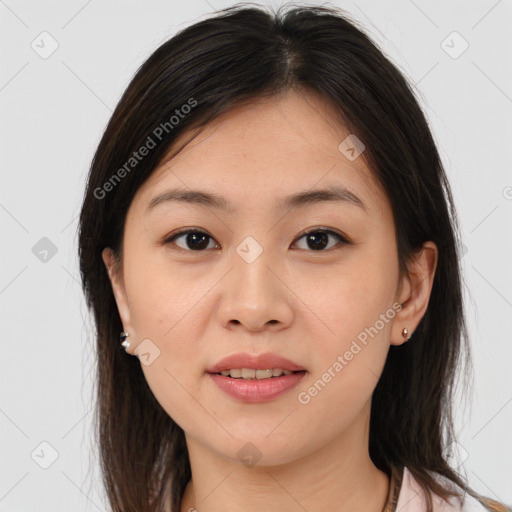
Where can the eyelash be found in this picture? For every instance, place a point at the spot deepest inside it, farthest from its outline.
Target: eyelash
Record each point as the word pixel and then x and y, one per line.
pixel 341 238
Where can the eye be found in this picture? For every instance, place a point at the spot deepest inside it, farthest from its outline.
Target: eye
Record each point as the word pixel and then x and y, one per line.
pixel 196 240
pixel 318 239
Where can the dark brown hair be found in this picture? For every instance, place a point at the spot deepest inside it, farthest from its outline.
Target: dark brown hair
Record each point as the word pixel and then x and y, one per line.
pixel 231 58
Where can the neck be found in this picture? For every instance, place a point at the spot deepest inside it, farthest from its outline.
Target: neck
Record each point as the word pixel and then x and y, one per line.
pixel 339 476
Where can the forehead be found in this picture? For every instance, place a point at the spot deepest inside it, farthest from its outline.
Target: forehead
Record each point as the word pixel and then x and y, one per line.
pixel 270 148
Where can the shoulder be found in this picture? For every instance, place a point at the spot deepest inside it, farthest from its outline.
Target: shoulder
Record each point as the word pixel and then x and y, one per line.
pixel 412 498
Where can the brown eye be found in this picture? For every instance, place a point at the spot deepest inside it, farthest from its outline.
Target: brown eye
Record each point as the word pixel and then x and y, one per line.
pixel 318 239
pixel 193 240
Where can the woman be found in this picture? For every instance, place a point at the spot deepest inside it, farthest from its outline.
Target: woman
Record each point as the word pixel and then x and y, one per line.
pixel 269 234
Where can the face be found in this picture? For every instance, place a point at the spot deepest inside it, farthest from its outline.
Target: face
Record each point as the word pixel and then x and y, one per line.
pixel 315 282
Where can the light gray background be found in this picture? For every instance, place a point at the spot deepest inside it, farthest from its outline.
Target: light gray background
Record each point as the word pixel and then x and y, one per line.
pixel 53 111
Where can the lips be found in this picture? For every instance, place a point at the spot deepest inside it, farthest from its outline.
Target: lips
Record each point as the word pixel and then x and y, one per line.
pixel 257 391
pixel 256 362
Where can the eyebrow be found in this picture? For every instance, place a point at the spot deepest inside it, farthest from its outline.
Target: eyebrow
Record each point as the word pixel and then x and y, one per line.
pixel 334 193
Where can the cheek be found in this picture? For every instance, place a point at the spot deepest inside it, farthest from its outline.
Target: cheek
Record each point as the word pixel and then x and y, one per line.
pixel 350 354
pixel 348 298
pixel 351 343
pixel 166 309
pixel 175 391
pixel 160 294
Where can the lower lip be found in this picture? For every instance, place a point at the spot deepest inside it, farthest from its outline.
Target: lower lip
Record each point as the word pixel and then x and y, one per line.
pixel 254 390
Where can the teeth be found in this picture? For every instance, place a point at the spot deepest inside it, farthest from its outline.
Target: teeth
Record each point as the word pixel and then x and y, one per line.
pixel 251 373
pixel 262 374
pixel 247 373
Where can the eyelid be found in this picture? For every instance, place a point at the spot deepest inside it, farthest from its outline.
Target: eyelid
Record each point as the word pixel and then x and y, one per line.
pixel 343 239
pixel 169 239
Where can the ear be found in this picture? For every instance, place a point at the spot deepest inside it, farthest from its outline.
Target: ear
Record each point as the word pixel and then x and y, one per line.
pixel 414 294
pixel 117 282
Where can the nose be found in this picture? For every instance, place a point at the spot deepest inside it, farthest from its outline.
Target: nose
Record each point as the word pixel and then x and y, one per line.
pixel 255 295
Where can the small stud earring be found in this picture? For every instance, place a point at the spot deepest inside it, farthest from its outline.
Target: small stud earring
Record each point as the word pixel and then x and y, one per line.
pixel 405 334
pixel 122 338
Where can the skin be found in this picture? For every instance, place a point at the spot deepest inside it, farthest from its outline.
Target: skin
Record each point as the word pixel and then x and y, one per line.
pixel 304 304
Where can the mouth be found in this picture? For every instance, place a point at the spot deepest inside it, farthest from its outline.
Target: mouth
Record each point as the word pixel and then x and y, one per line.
pixel 256 374
pixel 255 366
pixel 256 386
pixel 256 378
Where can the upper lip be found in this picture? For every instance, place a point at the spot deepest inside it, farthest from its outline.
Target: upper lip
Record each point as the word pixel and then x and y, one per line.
pixel 257 362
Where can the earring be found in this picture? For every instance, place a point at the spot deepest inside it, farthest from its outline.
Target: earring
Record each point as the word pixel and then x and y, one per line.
pixel 122 339
pixel 405 334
